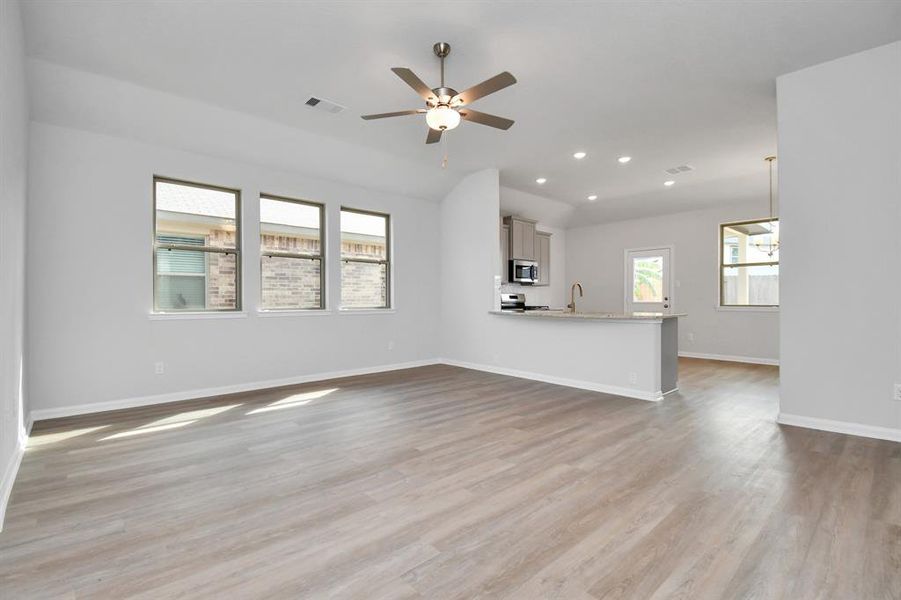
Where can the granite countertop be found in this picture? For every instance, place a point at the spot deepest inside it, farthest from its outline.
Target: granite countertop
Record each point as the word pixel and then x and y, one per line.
pixel 595 316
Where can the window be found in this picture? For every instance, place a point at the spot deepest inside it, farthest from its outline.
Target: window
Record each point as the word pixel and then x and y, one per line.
pixel 365 266
pixel 749 263
pixel 291 257
pixel 196 247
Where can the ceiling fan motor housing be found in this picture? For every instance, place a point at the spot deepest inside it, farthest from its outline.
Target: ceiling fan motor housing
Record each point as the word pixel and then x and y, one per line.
pixel 444 94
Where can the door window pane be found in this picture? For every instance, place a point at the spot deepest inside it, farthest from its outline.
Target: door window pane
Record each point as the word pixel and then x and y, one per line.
pixel 647 279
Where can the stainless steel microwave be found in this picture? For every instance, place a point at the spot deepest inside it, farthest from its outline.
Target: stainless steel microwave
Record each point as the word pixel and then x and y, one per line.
pixel 523 271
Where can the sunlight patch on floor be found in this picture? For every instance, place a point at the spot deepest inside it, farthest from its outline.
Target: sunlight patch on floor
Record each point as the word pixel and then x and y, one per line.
pixel 192 415
pixel 172 422
pixel 36 441
pixel 293 401
pixel 143 430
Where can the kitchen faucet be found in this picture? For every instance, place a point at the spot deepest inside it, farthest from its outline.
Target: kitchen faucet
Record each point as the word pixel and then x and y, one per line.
pixel 572 296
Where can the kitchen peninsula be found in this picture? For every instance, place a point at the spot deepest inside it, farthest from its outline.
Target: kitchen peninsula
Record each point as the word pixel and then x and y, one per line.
pixel 627 354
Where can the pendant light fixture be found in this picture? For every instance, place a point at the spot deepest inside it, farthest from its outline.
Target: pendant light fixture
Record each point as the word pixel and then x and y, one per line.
pixel 772 246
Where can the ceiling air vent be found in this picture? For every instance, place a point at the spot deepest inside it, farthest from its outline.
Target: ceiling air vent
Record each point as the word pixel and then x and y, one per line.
pixel 325 105
pixel 680 169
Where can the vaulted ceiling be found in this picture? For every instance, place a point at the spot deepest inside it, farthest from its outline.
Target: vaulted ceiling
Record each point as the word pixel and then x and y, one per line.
pixel 665 83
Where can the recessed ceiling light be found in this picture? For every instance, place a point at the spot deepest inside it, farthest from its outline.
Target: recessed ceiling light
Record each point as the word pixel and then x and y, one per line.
pixel 669 183
pixel 541 180
pixel 593 197
pixel 579 155
pixel 624 159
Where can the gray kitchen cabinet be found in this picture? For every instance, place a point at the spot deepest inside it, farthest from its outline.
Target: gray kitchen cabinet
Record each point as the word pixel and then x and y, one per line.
pixel 522 238
pixel 543 244
pixel 505 254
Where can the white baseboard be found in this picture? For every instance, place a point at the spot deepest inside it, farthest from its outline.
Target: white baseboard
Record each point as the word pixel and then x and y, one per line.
pixel 732 358
pixel 575 383
pixel 858 429
pixel 9 477
pixel 82 409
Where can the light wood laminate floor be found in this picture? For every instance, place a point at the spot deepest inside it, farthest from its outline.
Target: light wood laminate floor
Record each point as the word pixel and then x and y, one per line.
pixel 441 482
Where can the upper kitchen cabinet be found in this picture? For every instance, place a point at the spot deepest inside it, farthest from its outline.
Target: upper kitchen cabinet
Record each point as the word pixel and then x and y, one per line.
pixel 543 245
pixel 522 238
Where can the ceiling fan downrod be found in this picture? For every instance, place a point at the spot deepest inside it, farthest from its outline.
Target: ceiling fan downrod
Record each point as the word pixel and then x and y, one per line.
pixel 442 49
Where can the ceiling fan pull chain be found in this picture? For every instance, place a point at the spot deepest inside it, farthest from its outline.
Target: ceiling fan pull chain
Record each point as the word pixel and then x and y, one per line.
pixel 444 160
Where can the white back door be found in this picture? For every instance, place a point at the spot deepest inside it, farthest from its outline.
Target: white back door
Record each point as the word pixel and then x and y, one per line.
pixel 648 280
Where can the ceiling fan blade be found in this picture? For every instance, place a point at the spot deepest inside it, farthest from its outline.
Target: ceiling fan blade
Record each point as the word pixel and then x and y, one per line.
pixel 416 83
pixel 489 86
pixel 485 119
pixel 434 136
pixel 392 114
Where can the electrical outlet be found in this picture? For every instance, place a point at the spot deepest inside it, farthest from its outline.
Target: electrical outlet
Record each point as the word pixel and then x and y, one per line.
pixel 391 345
pixel 159 368
pixel 898 392
pixel 633 378
pixel 691 336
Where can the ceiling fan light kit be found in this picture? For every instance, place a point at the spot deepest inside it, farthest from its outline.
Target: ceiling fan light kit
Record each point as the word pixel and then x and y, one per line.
pixel 442 118
pixel 445 107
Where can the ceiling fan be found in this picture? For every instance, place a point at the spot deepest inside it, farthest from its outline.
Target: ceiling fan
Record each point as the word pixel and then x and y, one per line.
pixel 445 106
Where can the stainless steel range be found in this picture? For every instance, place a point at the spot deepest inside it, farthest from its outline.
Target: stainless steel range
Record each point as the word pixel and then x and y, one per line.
pixel 517 302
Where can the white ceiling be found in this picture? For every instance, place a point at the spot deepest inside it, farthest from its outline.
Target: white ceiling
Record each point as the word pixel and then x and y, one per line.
pixel 667 83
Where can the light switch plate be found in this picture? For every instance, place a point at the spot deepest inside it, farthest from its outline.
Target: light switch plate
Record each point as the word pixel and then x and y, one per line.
pixel 898 392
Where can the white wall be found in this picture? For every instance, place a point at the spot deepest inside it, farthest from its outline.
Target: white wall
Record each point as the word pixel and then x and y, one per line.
pixel 90 283
pixel 13 192
pixel 470 259
pixel 73 98
pixel 840 187
pixel 595 257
